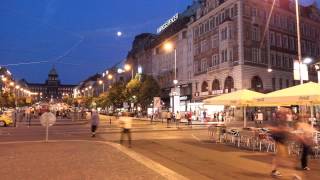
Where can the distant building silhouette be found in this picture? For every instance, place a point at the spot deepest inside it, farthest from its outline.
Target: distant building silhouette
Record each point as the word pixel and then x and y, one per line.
pixel 52 88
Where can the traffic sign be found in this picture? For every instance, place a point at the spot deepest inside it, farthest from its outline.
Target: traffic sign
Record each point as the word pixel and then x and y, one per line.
pixel 47 119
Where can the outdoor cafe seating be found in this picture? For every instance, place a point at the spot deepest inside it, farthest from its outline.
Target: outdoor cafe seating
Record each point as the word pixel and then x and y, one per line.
pixel 259 139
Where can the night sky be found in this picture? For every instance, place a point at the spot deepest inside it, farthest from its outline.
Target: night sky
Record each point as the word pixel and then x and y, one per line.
pixel 78 34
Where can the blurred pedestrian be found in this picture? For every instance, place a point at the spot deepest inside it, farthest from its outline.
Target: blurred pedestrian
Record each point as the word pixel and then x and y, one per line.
pixel 306 140
pixel 289 118
pixel 189 118
pixel 169 116
pixel 126 125
pixel 95 120
pixel 259 118
pixel 280 134
pixel 178 119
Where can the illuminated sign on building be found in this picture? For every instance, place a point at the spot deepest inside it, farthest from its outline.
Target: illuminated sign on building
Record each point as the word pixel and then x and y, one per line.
pixel 300 70
pixel 168 23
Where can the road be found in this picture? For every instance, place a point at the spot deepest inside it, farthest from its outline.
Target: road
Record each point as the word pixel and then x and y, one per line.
pixel 157 153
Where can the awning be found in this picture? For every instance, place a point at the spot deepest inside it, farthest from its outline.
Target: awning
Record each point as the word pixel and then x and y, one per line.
pixel 304 94
pixel 238 98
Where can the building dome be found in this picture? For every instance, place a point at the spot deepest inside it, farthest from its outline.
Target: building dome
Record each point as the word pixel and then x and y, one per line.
pixel 53 72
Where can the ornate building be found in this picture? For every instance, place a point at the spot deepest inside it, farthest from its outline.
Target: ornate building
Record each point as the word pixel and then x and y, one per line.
pixel 52 88
pixel 250 44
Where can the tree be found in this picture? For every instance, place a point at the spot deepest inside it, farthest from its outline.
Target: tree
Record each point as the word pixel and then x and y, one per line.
pixel 132 90
pixel 101 101
pixel 116 96
pixel 68 100
pixel 7 100
pixel 148 90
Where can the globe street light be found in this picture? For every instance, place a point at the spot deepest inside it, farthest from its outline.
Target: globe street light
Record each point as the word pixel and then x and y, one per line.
pixel 168 46
pixel 307 60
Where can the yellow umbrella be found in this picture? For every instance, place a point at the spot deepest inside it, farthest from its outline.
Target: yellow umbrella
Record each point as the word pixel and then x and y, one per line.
pixel 242 98
pixel 304 94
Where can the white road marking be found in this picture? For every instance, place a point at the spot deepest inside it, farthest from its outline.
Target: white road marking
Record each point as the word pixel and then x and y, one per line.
pixel 156 167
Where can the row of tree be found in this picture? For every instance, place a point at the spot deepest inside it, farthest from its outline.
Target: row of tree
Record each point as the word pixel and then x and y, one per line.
pixel 9 100
pixel 139 91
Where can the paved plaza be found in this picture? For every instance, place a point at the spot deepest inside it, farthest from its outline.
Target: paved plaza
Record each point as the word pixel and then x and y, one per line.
pixel 157 153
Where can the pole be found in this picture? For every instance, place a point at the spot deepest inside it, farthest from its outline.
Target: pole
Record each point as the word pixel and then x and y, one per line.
pixel 131 72
pixel 299 40
pixel 312 116
pixel 47 131
pixel 244 117
pixel 175 63
pixel 103 87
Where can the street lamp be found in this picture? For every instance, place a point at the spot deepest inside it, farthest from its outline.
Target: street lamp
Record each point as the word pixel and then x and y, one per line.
pixel 317 67
pixel 307 60
pixel 11 84
pixel 169 47
pixel 101 83
pixel 127 68
pixel 4 79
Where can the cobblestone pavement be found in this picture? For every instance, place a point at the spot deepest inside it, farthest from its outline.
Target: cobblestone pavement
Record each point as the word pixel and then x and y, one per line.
pixel 69 160
pixel 188 152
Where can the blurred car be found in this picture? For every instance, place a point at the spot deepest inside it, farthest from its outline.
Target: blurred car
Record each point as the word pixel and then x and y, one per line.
pixel 5 119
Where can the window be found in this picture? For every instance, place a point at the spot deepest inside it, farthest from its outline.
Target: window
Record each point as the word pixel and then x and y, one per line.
pixel 201 29
pixel 254 12
pixel 224 34
pixel 211 23
pixel 196 49
pixel 278 40
pixel 215 59
pixel 278 60
pixel 203 65
pixel 206 29
pixel 284 22
pixel 287 83
pixel 285 41
pixel 255 33
pixel 231 55
pixel 215 41
pixel 224 56
pixel 255 55
pixel 184 34
pixel 290 63
pixel 277 20
pixel 196 32
pixel 280 83
pixel 204 46
pixel 285 62
pixel 272 38
pixel 291 43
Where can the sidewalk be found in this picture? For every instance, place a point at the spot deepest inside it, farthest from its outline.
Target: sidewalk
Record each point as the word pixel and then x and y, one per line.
pixel 69 161
pixel 59 122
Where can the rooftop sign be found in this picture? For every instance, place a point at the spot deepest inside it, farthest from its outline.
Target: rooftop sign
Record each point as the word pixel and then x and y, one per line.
pixel 168 23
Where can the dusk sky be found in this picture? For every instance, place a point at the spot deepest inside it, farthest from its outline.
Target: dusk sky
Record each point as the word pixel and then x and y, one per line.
pixel 79 34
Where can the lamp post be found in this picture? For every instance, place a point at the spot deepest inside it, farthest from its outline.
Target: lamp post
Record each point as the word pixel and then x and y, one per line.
pixel 127 68
pixel 102 83
pixel 317 67
pixel 299 40
pixel 168 46
pixel 90 88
